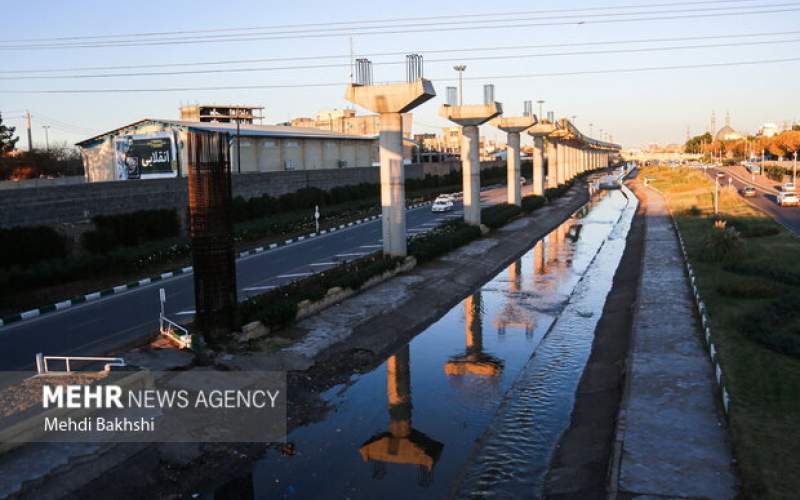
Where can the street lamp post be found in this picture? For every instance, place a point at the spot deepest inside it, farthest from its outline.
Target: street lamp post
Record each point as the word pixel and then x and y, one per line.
pixel 46 137
pixel 794 170
pixel 460 68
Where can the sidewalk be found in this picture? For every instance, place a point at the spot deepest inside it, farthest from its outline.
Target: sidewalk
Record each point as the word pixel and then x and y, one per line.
pixel 671 440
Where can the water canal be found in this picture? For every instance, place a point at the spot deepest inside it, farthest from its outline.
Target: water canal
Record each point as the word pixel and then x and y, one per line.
pixel 473 405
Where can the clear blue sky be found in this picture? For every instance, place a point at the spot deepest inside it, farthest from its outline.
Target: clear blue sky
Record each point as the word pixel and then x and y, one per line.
pixel 637 108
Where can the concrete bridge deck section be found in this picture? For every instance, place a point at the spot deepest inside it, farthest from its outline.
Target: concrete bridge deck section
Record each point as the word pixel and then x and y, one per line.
pixel 673 442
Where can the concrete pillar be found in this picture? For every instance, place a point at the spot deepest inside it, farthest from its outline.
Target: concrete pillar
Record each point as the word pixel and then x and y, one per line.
pixel 552 164
pixel 470 117
pixel 393 187
pixel 513 179
pixel 471 174
pixel 391 101
pixel 538 166
pixel 512 126
pixel 561 151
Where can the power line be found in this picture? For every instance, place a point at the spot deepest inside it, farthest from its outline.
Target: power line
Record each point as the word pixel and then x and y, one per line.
pixel 370 21
pixel 428 61
pixel 399 53
pixel 437 28
pixel 446 79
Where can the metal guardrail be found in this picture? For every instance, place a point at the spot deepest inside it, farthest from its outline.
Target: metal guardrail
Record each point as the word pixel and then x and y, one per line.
pixel 173 331
pixel 43 368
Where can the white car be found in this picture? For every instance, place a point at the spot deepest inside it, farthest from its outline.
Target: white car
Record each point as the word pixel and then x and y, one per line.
pixel 441 205
pixel 788 199
pixel 789 187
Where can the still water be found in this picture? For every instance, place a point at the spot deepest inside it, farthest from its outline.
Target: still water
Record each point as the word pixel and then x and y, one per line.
pixel 473 405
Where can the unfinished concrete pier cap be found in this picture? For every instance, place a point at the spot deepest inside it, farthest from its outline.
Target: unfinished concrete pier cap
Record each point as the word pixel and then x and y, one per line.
pixel 398 97
pixel 471 114
pixel 514 123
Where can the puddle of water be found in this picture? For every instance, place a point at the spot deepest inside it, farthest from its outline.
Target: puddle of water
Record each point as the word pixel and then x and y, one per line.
pixel 410 428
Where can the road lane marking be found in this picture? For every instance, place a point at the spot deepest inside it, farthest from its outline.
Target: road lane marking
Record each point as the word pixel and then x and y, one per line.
pixel 258 288
pixel 323 264
pixel 294 275
pixel 355 254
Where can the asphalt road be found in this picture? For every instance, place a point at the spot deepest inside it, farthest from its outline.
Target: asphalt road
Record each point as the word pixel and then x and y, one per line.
pixel 116 321
pixel 765 199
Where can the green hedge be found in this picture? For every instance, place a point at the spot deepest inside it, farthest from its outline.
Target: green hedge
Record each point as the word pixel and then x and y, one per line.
pixel 441 240
pixel 498 215
pixel 557 192
pixel 21 247
pixel 130 230
pixel 764 271
pixel 279 306
pixel 532 202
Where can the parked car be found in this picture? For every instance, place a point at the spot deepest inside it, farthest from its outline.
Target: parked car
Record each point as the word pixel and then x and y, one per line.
pixel 748 191
pixel 789 187
pixel 441 205
pixel 720 174
pixel 788 199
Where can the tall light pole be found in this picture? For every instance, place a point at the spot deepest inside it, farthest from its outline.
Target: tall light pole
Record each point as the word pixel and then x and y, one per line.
pixel 573 119
pixel 460 68
pixel 794 170
pixel 540 102
pixel 46 137
pixel 590 131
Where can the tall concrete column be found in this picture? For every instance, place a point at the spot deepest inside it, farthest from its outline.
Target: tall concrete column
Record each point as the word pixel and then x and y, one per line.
pixel 561 151
pixel 538 166
pixel 470 117
pixel 391 101
pixel 512 175
pixel 471 174
pixel 512 126
pixel 552 164
pixel 393 186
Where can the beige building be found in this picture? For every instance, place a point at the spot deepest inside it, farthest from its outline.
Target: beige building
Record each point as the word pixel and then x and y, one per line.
pixel 153 148
pixel 346 121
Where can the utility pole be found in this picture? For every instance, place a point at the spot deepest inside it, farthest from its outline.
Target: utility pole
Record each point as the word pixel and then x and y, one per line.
pixel 716 195
pixel 28 126
pixel 794 171
pixel 460 68
pixel 46 137
pixel 238 144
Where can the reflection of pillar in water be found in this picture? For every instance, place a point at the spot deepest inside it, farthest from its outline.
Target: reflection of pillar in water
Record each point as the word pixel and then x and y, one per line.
pixel 402 444
pixel 474 361
pixel 511 315
pixel 515 275
pixel 539 263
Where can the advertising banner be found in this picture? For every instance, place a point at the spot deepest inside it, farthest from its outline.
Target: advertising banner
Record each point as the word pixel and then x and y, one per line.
pixel 146 156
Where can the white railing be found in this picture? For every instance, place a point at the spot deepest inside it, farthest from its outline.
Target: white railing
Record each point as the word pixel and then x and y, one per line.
pixel 173 331
pixel 42 363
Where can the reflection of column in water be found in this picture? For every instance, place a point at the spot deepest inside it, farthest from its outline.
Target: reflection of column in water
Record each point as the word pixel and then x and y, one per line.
pixel 402 444
pixel 474 361
pixel 515 275
pixel 539 262
pixel 473 323
pixel 512 314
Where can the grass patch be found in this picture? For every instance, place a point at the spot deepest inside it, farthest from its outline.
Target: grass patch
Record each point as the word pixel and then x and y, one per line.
pixel 754 326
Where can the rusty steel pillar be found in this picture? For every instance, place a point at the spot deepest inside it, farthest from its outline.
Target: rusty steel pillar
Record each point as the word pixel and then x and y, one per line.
pixel 211 232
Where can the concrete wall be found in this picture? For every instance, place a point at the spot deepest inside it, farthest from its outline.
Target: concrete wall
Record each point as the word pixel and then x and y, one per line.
pixel 75 204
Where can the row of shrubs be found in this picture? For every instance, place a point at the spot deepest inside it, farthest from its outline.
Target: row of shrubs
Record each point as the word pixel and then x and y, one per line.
pixel 279 306
pixel 557 192
pixel 308 198
pixel 25 246
pixel 130 230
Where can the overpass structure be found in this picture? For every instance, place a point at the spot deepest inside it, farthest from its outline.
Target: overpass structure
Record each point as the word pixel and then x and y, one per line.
pixel 561 151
